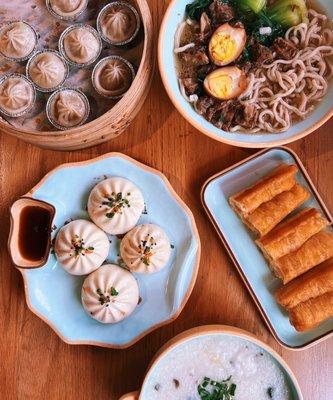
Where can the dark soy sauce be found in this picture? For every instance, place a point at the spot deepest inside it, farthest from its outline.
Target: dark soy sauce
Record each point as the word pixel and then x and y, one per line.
pixel 34 232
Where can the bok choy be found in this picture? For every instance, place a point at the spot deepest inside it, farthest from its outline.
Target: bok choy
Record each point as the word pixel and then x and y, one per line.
pixel 248 6
pixel 288 12
pixel 196 8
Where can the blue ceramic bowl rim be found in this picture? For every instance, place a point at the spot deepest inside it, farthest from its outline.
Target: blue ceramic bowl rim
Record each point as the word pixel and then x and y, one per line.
pixel 199 122
pixel 226 330
pixel 181 203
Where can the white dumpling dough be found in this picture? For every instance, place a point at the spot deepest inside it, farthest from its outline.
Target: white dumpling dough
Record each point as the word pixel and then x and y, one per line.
pixel 81 247
pixel 110 294
pixel 115 205
pixel 145 249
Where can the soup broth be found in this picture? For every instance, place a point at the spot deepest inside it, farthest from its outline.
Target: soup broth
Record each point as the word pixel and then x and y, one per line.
pixel 250 372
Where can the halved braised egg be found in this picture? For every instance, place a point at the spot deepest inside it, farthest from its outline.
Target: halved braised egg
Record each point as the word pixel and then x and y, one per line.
pixel 226 44
pixel 225 83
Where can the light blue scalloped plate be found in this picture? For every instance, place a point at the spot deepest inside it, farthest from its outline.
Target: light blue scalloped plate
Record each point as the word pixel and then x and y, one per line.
pixel 54 295
pixel 239 242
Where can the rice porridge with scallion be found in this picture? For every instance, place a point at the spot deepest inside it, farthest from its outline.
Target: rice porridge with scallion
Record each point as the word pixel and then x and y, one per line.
pixel 216 367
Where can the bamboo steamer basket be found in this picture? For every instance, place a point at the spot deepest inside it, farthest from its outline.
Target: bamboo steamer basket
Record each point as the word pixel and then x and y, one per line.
pixel 112 123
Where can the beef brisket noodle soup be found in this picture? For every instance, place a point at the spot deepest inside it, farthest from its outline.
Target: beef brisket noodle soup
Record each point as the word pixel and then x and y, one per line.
pixel 254 65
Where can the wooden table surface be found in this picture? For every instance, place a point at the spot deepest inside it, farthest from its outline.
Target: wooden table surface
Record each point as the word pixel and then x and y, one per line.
pixel 35 364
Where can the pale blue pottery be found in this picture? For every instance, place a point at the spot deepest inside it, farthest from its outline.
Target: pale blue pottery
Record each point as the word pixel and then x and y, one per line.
pixel 254 267
pixel 55 295
pixel 175 15
pixel 289 378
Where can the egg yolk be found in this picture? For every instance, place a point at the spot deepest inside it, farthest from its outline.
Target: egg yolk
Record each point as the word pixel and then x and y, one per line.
pixel 223 47
pixel 221 86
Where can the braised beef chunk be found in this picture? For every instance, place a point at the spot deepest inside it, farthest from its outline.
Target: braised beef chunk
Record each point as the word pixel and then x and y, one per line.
pixel 261 54
pixel 210 113
pixel 221 113
pixel 220 12
pixel 211 110
pixel 228 111
pixel 190 85
pixel 204 70
pixel 205 28
pixel 224 114
pixel 246 115
pixel 203 104
pixel 195 56
pixel 238 24
pixel 246 67
pixel 284 49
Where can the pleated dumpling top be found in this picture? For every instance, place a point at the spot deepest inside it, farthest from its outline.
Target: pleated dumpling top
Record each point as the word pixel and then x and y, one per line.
pixel 110 294
pixel 115 205
pixel 81 247
pixel 145 249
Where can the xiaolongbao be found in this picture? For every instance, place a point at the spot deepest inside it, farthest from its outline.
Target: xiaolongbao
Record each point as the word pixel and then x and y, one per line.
pixel 68 108
pixel 145 249
pixel 67 9
pixel 17 95
pixel 47 70
pixel 81 45
pixel 110 294
pixel 115 205
pixel 118 23
pixel 17 40
pixel 81 247
pixel 113 76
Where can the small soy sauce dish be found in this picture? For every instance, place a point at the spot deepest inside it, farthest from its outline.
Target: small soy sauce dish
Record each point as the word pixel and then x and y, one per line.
pixel 30 232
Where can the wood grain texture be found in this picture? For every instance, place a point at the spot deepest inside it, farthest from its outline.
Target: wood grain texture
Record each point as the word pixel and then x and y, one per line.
pixel 36 365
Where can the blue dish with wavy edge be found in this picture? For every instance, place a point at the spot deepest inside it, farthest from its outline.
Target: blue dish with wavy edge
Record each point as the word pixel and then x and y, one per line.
pixel 55 296
pixel 239 241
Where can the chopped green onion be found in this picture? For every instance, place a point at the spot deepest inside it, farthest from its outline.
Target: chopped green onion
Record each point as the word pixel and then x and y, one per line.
pixel 213 390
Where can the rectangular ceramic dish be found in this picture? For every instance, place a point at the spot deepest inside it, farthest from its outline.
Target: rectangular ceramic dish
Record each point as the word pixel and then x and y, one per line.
pixel 239 242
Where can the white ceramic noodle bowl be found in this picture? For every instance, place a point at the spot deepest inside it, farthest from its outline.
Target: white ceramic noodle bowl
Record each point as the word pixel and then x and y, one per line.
pixel 173 16
pixel 223 331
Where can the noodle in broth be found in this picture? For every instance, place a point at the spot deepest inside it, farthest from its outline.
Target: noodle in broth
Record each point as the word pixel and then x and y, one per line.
pixel 288 89
pixel 280 92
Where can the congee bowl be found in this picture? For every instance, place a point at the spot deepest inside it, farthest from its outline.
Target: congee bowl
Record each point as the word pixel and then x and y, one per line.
pixel 167 66
pixel 223 332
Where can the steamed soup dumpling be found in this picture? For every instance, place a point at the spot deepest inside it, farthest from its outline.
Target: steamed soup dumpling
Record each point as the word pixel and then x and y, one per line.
pixel 47 70
pixel 81 45
pixel 113 76
pixel 81 247
pixel 115 205
pixel 17 95
pixel 17 40
pixel 110 294
pixel 69 108
pixel 145 249
pixel 118 23
pixel 68 8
